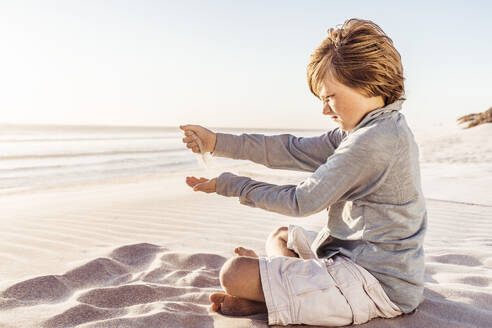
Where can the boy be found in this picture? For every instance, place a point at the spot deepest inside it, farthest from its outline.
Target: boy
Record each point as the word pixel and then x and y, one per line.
pixel 368 260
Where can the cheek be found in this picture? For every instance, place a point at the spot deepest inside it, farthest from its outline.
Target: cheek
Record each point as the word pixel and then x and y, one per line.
pixel 336 105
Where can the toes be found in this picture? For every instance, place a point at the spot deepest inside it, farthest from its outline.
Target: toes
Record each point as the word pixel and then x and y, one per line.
pixel 217 298
pixel 241 251
pixel 215 307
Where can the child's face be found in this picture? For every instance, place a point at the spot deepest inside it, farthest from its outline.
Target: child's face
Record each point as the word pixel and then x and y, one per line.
pixel 345 105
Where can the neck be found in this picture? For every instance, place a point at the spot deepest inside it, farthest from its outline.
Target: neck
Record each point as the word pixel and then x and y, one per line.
pixel 374 103
pixel 370 104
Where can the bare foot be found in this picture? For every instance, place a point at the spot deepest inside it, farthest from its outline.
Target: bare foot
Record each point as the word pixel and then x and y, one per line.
pixel 232 305
pixel 241 251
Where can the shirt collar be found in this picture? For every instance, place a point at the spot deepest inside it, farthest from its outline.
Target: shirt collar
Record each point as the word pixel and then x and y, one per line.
pixel 393 107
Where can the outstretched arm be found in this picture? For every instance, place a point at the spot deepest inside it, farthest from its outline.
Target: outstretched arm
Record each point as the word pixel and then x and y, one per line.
pixel 350 173
pixel 283 151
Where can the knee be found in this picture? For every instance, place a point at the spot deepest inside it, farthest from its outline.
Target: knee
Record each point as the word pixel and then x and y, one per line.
pixel 230 272
pixel 279 233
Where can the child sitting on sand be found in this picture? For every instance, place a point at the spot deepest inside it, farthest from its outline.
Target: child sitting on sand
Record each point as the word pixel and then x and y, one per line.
pixel 368 260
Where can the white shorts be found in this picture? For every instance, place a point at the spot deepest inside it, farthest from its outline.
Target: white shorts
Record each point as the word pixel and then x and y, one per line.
pixel 312 291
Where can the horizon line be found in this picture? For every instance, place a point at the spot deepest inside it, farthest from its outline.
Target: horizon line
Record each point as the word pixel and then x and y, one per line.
pixel 46 125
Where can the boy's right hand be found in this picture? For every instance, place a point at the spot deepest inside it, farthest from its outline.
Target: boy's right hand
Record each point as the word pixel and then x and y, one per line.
pixel 207 137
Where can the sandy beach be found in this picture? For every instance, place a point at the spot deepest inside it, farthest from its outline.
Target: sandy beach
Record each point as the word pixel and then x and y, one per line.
pixel 146 251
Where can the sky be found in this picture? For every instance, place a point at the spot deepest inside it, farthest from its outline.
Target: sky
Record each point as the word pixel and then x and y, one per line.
pixel 225 63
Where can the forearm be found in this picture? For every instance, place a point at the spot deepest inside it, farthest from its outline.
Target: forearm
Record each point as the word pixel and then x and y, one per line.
pixel 285 199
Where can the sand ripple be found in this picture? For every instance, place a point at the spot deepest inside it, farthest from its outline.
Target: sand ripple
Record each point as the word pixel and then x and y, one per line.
pixel 163 284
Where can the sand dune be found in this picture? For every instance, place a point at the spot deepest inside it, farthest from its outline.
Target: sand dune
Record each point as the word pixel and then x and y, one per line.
pixel 146 252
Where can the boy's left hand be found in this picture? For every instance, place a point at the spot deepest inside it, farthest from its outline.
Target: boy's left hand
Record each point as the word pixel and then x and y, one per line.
pixel 202 184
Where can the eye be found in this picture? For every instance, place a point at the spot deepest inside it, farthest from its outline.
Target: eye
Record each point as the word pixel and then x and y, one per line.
pixel 327 98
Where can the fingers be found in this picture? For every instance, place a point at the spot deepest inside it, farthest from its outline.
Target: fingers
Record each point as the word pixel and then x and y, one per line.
pixel 188 139
pixel 192 181
pixel 202 179
pixel 202 184
pixel 191 141
pixel 188 131
pixel 191 144
pixel 194 147
pixel 188 128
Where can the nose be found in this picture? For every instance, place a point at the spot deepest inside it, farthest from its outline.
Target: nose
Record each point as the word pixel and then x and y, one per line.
pixel 327 110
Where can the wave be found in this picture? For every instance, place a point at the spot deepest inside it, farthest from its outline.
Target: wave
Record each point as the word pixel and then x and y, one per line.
pixel 126 160
pixel 40 156
pixel 85 139
pixel 8 182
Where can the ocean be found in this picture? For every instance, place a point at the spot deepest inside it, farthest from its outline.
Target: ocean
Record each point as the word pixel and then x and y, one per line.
pixel 40 156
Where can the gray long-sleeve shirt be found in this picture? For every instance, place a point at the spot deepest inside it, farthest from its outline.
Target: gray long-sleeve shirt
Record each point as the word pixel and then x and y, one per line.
pixel 367 179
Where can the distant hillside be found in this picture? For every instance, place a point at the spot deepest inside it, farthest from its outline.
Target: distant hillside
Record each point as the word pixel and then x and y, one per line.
pixel 477 119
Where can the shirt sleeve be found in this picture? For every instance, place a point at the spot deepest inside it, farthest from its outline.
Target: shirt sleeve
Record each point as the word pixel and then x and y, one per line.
pixel 283 151
pixel 355 169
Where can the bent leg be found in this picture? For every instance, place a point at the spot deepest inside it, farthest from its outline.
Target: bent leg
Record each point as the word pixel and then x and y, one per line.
pixel 240 278
pixel 276 243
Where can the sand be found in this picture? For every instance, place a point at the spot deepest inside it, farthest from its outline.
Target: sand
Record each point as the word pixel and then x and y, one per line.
pixel 146 251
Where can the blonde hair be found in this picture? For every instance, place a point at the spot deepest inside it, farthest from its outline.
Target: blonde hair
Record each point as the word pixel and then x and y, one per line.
pixel 361 56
